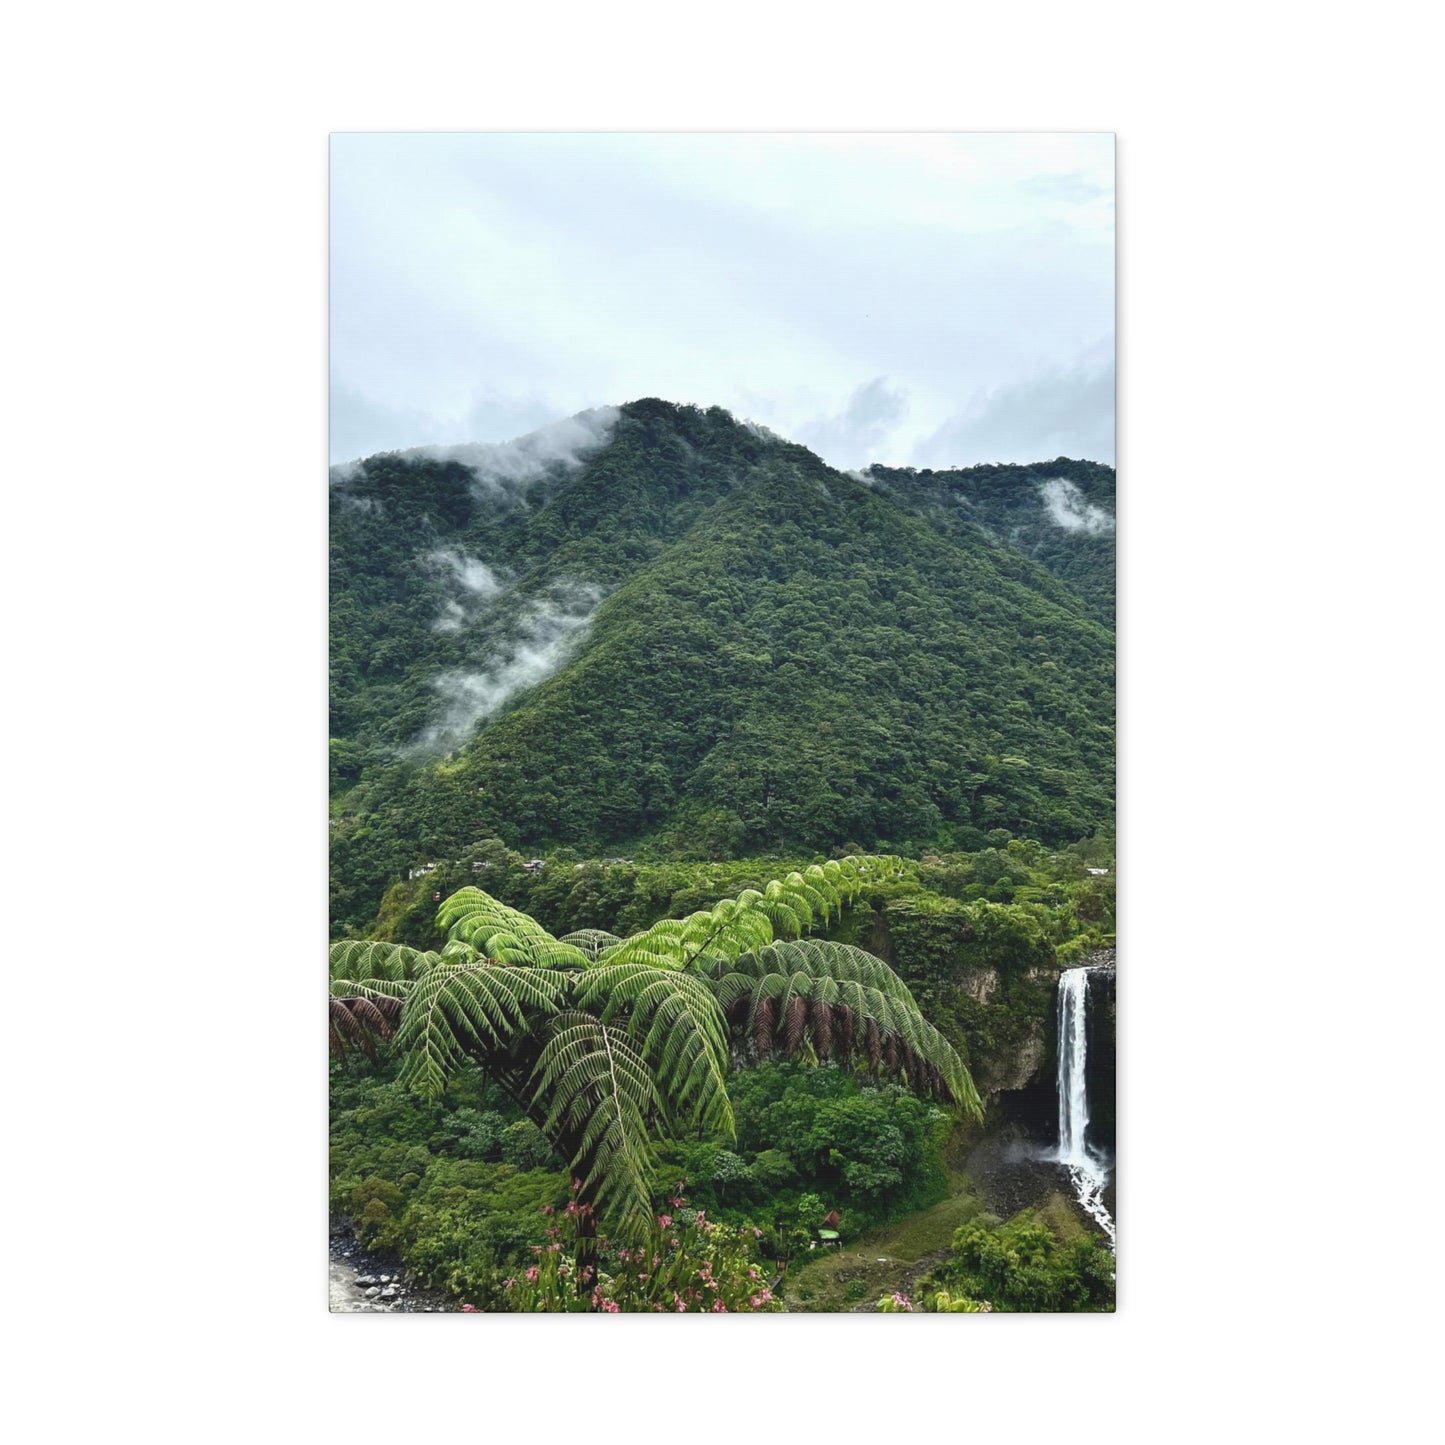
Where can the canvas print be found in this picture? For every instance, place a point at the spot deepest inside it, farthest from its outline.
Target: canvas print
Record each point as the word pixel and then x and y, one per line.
pixel 722 723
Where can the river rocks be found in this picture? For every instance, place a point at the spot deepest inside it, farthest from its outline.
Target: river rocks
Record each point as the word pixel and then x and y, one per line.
pixel 358 1286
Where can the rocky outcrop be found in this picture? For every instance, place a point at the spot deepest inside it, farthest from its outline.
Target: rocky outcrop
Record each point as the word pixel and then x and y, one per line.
pixel 1016 1069
pixel 1100 1058
pixel 980 984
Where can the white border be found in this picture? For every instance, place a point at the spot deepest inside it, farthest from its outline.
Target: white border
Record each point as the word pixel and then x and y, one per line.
pixel 165 260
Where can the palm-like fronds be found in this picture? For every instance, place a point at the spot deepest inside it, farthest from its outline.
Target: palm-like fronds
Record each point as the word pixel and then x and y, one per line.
pixel 786 907
pixel 612 1042
pixel 591 941
pixel 369 982
pixel 675 1023
pixel 470 1009
pixel 502 933
pixel 599 1091
pixel 844 1003
pixel 355 1021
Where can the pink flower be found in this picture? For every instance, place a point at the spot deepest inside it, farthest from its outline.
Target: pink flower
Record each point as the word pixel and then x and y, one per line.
pixel 664 1220
pixel 546 1209
pixel 757 1233
pixel 611 1306
pixel 508 1283
pixel 470 1310
pixel 561 1271
pixel 719 1308
pixel 678 1202
pixel 532 1275
pixel 576 1185
pixel 756 1303
pixel 553 1248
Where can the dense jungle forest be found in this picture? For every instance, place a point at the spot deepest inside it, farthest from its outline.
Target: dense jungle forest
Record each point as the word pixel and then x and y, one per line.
pixel 711 834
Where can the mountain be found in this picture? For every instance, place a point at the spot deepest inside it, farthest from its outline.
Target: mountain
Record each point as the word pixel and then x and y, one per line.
pixel 658 630
pixel 1059 513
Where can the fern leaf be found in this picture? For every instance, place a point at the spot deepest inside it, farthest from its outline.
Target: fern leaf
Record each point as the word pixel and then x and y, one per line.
pixel 599 1093
pixel 470 1010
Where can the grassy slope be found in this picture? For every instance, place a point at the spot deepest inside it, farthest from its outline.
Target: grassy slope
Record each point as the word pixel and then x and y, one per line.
pixel 888 1259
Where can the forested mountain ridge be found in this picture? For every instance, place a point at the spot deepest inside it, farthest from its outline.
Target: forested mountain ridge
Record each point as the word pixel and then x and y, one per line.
pixel 697 639
pixel 1059 513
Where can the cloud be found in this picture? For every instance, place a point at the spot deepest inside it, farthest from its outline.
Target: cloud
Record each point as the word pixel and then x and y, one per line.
pixel 485 283
pixel 501 468
pixel 1068 508
pixel 1072 187
pixel 1060 412
pixel 544 637
pixel 471 580
pixel 859 432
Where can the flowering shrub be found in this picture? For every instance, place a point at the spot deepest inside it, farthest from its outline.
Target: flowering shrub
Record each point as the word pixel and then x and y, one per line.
pixel 941 1303
pixel 687 1264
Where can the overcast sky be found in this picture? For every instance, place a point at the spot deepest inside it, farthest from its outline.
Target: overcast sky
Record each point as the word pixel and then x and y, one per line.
pixel 933 300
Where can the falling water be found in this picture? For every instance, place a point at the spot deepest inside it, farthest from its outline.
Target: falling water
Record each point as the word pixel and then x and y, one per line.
pixel 1088 1170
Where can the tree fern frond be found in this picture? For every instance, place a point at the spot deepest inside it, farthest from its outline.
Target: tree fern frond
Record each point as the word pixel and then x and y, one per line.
pixel 505 934
pixel 676 1022
pixel 359 1022
pixel 469 1010
pixel 840 1001
pixel 364 959
pixel 599 1091
pixel 784 907
pixel 591 941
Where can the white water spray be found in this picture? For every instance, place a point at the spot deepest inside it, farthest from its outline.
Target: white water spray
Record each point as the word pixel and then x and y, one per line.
pixel 1088 1170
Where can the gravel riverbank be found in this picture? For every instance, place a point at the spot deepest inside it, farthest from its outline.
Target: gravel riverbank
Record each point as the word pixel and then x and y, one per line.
pixel 364 1283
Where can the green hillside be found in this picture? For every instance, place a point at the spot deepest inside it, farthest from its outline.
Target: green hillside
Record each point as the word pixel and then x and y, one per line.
pixel 700 641
pixel 1058 513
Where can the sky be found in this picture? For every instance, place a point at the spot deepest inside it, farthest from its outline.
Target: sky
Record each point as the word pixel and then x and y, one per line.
pixel 914 299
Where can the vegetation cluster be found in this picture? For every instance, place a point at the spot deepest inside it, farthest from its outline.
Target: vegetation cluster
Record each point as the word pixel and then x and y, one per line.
pixel 746 588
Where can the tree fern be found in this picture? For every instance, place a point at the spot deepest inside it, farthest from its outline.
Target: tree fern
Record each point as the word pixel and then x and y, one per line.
pixel 369 982
pixel 785 907
pixel 678 1027
pixel 843 1003
pixel 599 1091
pixel 611 1044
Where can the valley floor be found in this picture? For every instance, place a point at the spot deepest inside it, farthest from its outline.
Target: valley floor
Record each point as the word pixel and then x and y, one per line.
pixel 999 1177
pixel 888 1259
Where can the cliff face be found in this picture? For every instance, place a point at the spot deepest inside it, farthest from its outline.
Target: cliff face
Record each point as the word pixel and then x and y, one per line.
pixel 1100 1049
pixel 989 983
pixel 992 988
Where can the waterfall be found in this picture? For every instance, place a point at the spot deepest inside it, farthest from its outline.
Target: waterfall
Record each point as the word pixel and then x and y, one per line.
pixel 1087 1169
